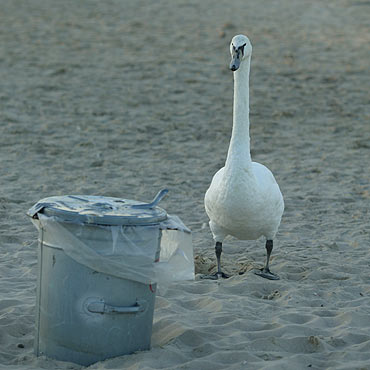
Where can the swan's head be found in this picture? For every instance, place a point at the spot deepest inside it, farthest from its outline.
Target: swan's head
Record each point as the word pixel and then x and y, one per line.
pixel 240 49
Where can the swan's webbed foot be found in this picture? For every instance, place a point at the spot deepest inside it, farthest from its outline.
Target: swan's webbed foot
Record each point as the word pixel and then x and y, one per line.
pixel 216 276
pixel 267 274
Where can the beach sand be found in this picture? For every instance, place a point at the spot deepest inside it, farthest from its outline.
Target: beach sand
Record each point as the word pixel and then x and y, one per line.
pixel 124 98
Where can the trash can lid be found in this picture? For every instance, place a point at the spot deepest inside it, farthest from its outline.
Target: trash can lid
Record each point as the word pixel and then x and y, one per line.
pixel 100 210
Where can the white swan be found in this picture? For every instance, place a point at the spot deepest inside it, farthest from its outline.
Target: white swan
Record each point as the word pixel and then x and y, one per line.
pixel 243 199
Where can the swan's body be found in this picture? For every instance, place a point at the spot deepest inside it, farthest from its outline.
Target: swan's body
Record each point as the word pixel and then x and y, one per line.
pixel 243 200
pixel 246 206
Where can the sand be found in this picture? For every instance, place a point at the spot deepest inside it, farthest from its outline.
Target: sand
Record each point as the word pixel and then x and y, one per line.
pixel 124 98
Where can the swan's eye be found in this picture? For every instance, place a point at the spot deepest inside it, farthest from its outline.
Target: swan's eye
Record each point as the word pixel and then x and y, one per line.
pixel 242 48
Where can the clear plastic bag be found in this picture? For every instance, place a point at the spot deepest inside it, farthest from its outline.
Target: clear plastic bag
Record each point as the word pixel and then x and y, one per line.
pixel 129 252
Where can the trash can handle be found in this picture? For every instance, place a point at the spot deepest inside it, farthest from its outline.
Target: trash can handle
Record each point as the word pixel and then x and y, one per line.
pixel 154 202
pixel 99 306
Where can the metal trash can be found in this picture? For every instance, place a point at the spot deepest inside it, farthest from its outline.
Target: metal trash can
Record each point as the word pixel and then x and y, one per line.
pixel 96 281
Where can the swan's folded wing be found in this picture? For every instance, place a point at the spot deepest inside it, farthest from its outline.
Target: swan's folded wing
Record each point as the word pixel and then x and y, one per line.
pixel 263 175
pixel 268 185
pixel 213 191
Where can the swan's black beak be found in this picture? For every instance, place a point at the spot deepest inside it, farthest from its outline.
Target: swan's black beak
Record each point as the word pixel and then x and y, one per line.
pixel 235 62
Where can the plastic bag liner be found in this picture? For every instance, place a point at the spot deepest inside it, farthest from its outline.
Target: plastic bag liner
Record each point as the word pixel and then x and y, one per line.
pixel 126 251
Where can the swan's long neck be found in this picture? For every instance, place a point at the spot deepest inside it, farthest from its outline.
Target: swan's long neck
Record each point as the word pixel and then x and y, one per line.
pixel 239 149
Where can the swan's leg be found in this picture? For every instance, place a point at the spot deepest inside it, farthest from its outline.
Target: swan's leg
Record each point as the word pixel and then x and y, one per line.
pixel 219 273
pixel 218 250
pixel 265 272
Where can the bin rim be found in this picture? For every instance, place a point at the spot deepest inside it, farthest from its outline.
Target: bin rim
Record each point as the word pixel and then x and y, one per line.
pixel 99 210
